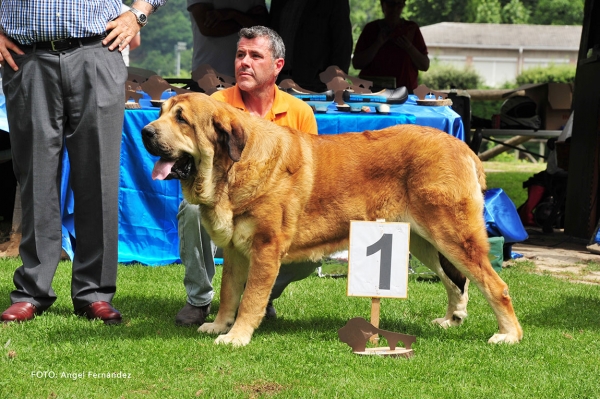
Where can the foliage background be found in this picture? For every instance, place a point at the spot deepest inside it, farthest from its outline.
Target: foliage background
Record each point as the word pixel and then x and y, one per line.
pixel 168 26
pixel 171 23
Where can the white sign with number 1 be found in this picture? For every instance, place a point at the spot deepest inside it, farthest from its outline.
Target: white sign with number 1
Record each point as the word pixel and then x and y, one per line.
pixel 378 259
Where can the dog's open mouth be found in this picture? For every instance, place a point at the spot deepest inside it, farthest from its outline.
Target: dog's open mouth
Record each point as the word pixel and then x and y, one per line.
pixel 178 169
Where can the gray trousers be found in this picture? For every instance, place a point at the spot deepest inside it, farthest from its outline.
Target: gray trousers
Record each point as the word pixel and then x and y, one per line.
pixel 196 251
pixel 73 98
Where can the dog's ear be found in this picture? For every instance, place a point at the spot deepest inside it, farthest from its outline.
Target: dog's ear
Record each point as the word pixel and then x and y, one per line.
pixel 230 133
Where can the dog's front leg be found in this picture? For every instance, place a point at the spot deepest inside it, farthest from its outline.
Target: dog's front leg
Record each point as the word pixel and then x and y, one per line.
pixel 235 272
pixel 264 267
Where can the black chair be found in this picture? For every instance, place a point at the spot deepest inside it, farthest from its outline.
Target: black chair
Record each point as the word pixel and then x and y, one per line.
pixel 461 104
pixel 475 142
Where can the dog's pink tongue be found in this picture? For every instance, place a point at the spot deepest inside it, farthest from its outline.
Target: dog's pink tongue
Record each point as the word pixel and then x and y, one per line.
pixel 162 169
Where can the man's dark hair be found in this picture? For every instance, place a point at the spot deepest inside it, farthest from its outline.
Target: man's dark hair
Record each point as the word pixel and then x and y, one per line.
pixel 275 42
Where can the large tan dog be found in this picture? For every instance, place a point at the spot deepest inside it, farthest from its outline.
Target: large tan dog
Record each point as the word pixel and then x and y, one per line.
pixel 272 195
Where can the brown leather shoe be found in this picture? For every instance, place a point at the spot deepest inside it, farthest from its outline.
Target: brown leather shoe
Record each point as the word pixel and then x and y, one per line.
pixel 19 311
pixel 100 310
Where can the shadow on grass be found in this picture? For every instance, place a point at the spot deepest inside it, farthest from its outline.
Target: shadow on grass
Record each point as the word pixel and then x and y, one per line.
pixel 147 316
pixel 144 319
pixel 573 312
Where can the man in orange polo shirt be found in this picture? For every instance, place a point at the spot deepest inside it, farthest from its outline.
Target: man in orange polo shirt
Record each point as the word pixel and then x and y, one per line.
pixel 258 61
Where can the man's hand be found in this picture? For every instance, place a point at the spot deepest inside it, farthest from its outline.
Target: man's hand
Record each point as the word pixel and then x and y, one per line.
pixel 5 56
pixel 121 31
pixel 403 42
pixel 382 37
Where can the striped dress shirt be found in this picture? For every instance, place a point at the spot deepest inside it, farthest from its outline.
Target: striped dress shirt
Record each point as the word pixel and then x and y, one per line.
pixel 32 21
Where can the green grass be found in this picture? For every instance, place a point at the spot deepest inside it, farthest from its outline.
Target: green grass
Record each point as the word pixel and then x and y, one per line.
pixel 592 267
pixel 510 177
pixel 299 355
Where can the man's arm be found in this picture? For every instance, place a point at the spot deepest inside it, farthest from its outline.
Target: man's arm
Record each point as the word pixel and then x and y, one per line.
pixel 415 48
pixel 307 122
pixel 309 125
pixel 225 21
pixel 123 29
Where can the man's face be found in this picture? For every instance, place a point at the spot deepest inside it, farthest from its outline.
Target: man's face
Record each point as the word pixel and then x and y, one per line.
pixel 255 67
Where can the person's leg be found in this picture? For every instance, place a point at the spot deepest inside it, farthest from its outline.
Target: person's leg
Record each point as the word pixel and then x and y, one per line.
pixel 288 273
pixel 196 251
pixel 535 193
pixel 291 272
pixel 94 78
pixel 34 106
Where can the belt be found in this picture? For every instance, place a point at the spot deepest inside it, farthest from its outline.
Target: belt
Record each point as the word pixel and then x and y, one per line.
pixel 66 44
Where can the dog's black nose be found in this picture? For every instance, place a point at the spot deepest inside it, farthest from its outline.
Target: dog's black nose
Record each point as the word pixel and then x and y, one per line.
pixel 148 131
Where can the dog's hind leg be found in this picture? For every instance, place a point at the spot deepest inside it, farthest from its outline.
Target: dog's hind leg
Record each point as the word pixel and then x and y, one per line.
pixel 454 281
pixel 468 251
pixel 235 273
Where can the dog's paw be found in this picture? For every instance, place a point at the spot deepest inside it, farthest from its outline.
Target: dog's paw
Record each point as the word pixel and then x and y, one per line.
pixel 233 339
pixel 504 339
pixel 213 328
pixel 456 320
pixel 442 322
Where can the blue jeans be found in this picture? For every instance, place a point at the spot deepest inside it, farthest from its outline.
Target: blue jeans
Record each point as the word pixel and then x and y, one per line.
pixel 196 251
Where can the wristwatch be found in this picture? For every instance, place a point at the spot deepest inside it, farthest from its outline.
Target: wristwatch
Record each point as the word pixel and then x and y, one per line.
pixel 142 19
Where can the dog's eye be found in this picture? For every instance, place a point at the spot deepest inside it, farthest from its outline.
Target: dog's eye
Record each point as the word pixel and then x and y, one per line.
pixel 179 117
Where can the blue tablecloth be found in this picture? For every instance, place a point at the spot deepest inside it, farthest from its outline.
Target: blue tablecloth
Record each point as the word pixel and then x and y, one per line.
pixel 443 118
pixel 148 209
pixel 3 120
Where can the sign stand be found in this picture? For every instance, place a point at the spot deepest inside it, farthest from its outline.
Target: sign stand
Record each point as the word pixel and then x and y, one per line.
pixel 374 247
pixel 357 331
pixel 375 307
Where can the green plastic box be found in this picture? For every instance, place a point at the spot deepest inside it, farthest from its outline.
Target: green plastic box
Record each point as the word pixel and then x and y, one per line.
pixel 496 252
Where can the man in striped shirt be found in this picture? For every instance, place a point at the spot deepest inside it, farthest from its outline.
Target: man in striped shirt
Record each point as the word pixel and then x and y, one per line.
pixel 64 80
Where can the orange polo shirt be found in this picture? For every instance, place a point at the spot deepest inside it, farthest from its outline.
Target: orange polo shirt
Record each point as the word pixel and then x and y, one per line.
pixel 287 110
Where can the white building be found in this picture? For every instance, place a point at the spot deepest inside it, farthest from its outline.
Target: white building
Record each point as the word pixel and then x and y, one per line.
pixel 499 52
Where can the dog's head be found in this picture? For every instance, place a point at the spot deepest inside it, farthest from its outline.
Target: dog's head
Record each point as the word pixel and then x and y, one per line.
pixel 193 130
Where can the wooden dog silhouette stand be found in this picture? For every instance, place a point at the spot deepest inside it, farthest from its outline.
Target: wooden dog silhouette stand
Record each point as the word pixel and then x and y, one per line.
pixel 290 84
pixel 338 81
pixel 209 80
pixel 440 98
pixel 155 86
pixel 357 332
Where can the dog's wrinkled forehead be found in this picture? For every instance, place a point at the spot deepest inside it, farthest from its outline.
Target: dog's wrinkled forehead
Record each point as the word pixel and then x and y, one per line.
pixel 188 107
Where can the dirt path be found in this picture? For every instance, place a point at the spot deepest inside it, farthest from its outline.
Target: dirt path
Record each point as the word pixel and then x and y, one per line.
pixel 559 255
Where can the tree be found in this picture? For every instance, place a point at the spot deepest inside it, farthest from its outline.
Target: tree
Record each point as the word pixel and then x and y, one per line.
pixel 444 76
pixel 362 12
pixel 489 12
pixel 558 12
pixel 429 12
pixel 515 12
pixel 169 25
